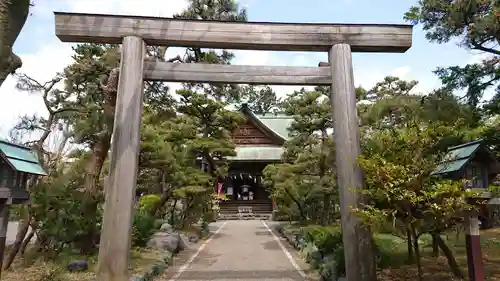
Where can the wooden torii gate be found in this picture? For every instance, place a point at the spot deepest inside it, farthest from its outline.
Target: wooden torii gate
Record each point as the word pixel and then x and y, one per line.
pixel 339 40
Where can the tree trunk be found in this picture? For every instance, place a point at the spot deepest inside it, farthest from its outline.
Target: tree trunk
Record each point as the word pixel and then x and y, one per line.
pixel 411 257
pixel 435 246
pixel 95 164
pixel 166 193
pixel 172 213
pixel 452 262
pixel 99 153
pixel 165 196
pixel 26 241
pixel 13 16
pixel 40 243
pixel 325 218
pixel 416 247
pixel 302 212
pixel 93 170
pixel 23 228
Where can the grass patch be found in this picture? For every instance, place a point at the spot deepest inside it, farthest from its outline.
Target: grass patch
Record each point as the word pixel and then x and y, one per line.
pixel 23 270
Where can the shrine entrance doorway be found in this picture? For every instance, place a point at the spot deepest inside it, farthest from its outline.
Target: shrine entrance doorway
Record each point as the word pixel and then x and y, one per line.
pixel 245 192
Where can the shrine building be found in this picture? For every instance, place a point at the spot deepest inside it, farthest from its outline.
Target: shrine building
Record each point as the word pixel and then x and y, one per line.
pixel 259 142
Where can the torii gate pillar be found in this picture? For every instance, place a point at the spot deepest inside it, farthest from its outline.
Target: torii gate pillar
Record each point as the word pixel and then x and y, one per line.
pixel 356 238
pixel 116 233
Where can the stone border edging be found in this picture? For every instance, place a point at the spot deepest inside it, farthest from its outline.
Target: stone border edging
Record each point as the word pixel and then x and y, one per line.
pixel 158 267
pixel 294 241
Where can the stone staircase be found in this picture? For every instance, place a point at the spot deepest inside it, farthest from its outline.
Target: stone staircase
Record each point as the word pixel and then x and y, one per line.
pixel 246 210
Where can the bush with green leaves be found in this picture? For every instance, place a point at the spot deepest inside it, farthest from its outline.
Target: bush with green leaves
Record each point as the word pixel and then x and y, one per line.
pixel 388 250
pixel 147 203
pixel 324 250
pixel 328 242
pixel 326 238
pixel 143 228
pixel 58 207
pixel 209 216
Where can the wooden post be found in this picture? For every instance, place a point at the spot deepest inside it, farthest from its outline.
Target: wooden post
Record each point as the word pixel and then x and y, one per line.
pixel 4 223
pixel 473 244
pixel 357 240
pixel 114 248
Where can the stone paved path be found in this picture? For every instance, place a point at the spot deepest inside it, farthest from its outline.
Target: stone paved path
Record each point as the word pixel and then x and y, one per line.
pixel 242 251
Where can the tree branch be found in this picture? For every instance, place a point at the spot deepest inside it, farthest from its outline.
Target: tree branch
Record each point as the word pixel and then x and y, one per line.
pixel 477 46
pixel 176 58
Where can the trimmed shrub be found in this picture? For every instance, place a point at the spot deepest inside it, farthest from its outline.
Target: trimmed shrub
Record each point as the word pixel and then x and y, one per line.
pixel 143 227
pixel 147 203
pixel 326 238
pixel 323 248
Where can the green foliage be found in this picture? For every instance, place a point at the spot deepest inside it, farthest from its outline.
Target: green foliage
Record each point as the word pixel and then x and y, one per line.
pixel 143 227
pixel 304 186
pixel 178 129
pixel 327 239
pixel 475 24
pixel 388 250
pixel 261 100
pixel 209 216
pixel 90 114
pixel 401 188
pixel 57 207
pixel 147 203
pixel 393 103
pixel 398 165
pixel 404 135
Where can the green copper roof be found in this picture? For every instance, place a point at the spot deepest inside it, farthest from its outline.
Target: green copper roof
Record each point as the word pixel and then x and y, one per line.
pixel 278 123
pixel 457 157
pixel 21 158
pixel 257 153
pixel 275 125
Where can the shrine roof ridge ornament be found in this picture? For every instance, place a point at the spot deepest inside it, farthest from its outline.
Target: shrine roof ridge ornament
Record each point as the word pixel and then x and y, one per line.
pixel 271 36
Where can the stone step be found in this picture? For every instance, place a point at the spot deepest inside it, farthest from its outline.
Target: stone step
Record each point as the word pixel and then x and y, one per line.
pixel 245 216
pixel 245 208
pixel 235 211
pixel 253 207
pixel 245 203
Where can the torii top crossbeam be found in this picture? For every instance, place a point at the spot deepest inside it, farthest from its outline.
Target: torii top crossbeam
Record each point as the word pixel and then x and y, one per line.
pixel 110 29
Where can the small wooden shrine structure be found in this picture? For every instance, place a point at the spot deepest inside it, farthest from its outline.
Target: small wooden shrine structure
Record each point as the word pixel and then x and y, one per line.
pixel 17 165
pixel 473 161
pixel 133 32
pixel 476 163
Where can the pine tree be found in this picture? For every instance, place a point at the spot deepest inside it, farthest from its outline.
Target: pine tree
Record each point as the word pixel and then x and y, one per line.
pixel 306 182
